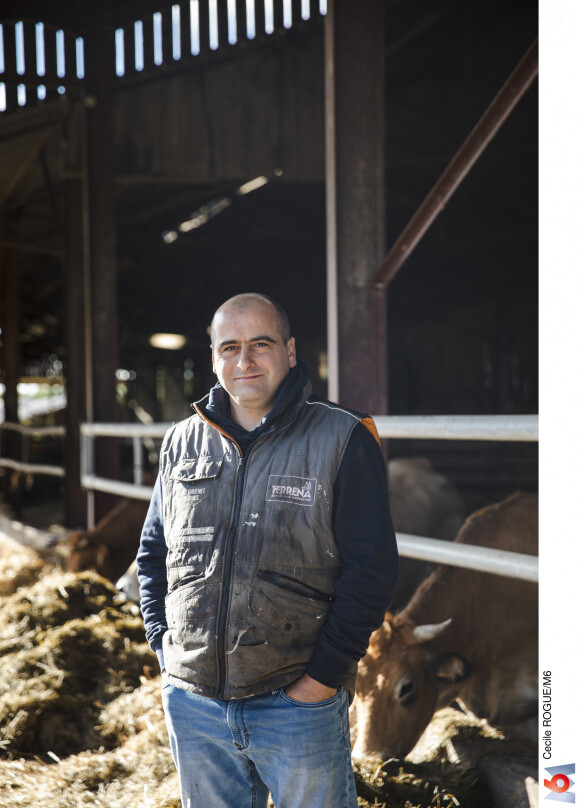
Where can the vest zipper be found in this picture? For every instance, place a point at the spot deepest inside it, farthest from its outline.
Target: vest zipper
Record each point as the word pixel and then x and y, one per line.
pixel 227 578
pixel 229 552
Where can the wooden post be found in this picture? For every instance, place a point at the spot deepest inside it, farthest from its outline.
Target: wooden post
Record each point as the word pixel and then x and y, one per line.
pixel 77 361
pixel 355 176
pixel 10 361
pixel 100 68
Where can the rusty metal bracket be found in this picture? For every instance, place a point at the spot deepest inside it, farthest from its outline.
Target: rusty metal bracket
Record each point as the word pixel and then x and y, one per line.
pixel 483 132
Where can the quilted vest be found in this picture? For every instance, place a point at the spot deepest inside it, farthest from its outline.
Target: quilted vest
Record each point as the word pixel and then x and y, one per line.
pixel 252 561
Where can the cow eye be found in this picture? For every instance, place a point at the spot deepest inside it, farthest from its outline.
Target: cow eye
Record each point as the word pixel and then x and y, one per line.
pixel 406 691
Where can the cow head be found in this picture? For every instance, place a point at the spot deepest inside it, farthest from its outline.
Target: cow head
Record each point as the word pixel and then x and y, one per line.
pixel 83 554
pixel 398 686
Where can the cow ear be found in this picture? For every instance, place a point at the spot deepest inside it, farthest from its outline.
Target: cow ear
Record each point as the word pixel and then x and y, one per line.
pixel 450 668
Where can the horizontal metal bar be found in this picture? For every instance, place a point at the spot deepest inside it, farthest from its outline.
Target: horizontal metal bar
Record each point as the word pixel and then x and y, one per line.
pixel 125 430
pixel 483 559
pixel 459 427
pixel 33 468
pixel 94 483
pixel 39 431
pixel 445 427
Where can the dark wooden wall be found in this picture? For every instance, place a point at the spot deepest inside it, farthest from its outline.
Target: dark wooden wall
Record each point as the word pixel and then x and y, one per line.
pixel 233 120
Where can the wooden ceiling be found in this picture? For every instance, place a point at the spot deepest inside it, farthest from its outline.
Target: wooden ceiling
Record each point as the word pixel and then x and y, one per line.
pixel 186 139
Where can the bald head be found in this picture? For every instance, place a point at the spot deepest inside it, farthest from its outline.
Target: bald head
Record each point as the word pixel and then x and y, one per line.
pixel 252 353
pixel 242 303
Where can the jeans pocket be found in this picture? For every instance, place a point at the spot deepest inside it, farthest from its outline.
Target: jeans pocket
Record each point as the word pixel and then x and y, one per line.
pixel 310 704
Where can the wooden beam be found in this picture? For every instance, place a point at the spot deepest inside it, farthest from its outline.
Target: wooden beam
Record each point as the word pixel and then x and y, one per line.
pixel 22 167
pixel 10 302
pixel 355 160
pixel 75 498
pixel 103 259
pixel 460 166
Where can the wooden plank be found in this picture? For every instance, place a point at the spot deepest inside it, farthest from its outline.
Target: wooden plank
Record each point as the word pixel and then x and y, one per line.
pixel 70 60
pixel 30 74
pixel 260 16
pixel 10 78
pixel 241 22
pixel 223 28
pixel 51 80
pixel 278 15
pixel 204 26
pixel 10 47
pixel 185 29
pixel 167 36
pixel 129 34
pixel 296 12
pixel 148 46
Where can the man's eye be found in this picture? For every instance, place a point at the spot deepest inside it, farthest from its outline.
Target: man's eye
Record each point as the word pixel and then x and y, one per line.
pixel 229 349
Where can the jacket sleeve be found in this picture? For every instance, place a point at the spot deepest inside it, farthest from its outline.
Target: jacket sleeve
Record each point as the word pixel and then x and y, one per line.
pixel 152 574
pixel 366 541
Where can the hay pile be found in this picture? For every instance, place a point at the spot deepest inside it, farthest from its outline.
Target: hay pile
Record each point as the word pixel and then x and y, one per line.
pixel 432 784
pixel 81 722
pixel 67 649
pixel 19 565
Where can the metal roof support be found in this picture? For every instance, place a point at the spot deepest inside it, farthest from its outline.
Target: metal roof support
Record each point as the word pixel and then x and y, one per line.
pixel 355 190
pixel 483 132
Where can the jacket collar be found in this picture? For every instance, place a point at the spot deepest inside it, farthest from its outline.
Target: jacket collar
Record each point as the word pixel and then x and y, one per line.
pixel 294 391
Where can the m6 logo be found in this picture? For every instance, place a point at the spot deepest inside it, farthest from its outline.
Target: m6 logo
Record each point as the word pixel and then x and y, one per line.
pixel 560 783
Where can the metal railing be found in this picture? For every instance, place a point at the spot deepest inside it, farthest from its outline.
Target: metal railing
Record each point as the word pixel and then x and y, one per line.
pixel 137 432
pixel 459 427
pixel 32 432
pixel 451 427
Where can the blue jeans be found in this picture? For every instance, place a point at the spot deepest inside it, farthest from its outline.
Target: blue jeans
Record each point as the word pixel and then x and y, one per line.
pixel 231 754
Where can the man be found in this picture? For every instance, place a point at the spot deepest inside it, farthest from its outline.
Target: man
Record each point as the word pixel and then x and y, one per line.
pixel 267 559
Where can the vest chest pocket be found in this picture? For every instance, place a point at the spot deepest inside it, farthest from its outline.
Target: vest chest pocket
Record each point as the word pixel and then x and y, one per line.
pixel 193 498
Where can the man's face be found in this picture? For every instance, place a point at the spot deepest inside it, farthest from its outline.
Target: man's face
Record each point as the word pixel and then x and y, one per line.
pixel 250 357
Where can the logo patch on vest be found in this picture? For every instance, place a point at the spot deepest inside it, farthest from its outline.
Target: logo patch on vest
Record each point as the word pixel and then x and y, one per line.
pixel 299 490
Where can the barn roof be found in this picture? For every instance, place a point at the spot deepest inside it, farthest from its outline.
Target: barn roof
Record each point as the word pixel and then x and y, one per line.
pixel 188 134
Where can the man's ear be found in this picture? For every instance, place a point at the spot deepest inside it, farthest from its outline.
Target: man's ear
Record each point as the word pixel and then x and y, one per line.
pixel 291 345
pixel 213 360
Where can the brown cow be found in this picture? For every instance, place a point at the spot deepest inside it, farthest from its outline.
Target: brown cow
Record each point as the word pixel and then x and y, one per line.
pixel 111 545
pixel 465 635
pixel 423 503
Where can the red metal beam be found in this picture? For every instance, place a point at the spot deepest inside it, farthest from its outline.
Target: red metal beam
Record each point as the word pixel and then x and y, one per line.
pixel 483 132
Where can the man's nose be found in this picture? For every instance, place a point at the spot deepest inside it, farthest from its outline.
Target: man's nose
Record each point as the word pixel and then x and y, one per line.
pixel 245 359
